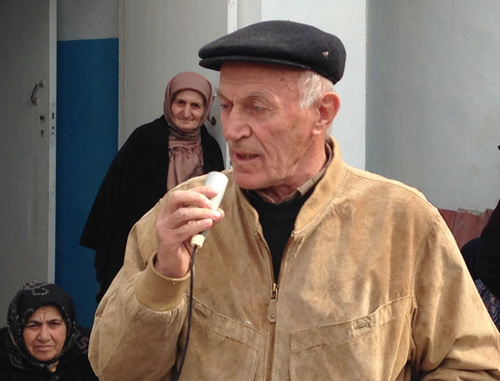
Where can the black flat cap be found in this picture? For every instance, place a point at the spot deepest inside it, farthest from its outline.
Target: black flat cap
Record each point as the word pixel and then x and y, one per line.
pixel 280 42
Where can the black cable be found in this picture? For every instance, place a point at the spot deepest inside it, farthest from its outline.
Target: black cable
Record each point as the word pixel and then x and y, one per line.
pixel 177 372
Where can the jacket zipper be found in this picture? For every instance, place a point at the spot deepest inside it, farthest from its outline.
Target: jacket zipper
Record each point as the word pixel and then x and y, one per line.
pixel 272 317
pixel 272 310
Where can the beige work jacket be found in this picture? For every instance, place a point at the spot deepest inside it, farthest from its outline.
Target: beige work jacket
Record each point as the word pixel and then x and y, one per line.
pixel 372 286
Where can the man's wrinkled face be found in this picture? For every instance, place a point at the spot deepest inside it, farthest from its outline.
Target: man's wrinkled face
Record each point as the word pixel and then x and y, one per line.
pixel 268 135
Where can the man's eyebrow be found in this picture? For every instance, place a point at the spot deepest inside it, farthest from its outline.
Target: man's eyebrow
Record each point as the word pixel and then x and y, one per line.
pixel 254 94
pixel 219 94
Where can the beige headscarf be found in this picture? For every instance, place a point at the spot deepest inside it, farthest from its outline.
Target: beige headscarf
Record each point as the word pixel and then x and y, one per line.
pixel 187 80
pixel 185 151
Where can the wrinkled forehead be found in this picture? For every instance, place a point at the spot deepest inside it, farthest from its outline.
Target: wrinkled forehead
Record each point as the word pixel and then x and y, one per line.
pixel 244 77
pixel 47 312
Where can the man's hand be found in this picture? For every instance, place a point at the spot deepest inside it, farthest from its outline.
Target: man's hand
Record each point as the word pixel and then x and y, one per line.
pixel 185 214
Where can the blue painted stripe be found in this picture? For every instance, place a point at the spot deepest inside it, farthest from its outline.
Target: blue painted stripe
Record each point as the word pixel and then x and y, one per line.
pixel 87 135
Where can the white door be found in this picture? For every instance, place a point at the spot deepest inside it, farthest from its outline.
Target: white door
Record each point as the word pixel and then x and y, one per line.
pixel 27 144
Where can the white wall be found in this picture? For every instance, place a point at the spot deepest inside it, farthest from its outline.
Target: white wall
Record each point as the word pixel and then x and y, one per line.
pixel 347 20
pixel 249 12
pixel 433 95
pixel 86 20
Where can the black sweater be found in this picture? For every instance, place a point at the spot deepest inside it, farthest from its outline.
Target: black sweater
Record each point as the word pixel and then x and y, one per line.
pixel 277 222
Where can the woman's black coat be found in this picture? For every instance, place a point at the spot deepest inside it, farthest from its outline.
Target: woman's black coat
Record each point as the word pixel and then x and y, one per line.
pixel 135 181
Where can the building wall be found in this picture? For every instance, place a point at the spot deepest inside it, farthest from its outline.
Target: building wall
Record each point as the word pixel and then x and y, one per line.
pixel 433 98
pixel 87 20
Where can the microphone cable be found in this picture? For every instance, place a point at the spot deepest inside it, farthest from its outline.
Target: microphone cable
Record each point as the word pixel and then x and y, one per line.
pixel 218 181
pixel 177 371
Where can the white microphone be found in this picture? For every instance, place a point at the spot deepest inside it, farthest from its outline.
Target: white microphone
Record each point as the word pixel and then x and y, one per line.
pixel 218 181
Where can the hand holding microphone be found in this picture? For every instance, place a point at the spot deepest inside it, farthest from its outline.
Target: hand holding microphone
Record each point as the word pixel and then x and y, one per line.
pixel 177 222
pixel 218 181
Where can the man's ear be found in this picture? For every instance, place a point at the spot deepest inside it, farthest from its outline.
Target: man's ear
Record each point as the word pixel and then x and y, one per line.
pixel 328 107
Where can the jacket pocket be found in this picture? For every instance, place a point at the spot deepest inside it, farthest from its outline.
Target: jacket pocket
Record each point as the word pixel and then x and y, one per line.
pixel 220 348
pixel 373 347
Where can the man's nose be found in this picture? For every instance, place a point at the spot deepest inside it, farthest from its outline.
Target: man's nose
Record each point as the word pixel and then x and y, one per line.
pixel 234 125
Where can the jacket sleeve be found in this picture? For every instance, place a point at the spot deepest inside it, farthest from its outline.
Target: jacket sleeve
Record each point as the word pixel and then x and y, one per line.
pixel 138 322
pixel 454 337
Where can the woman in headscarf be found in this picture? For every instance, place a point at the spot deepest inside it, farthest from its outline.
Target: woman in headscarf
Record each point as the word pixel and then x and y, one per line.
pixel 42 340
pixel 156 157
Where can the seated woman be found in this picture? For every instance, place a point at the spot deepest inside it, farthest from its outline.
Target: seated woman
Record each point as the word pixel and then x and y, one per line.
pixel 470 251
pixel 41 340
pixel 488 257
pixel 155 158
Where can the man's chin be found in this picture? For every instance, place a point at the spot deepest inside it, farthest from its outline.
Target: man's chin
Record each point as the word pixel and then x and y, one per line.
pixel 247 180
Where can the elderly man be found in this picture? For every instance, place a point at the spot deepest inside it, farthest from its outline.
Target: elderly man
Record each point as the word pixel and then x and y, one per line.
pixel 311 269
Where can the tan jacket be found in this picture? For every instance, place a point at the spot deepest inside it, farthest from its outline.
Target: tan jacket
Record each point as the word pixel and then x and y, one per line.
pixel 372 287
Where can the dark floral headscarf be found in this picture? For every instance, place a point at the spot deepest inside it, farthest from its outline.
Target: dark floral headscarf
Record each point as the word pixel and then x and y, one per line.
pixel 32 296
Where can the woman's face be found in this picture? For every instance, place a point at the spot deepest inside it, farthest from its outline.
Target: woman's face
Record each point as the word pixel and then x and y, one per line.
pixel 187 109
pixel 45 333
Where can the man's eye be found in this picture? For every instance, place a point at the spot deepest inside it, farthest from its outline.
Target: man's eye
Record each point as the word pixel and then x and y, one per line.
pixel 257 106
